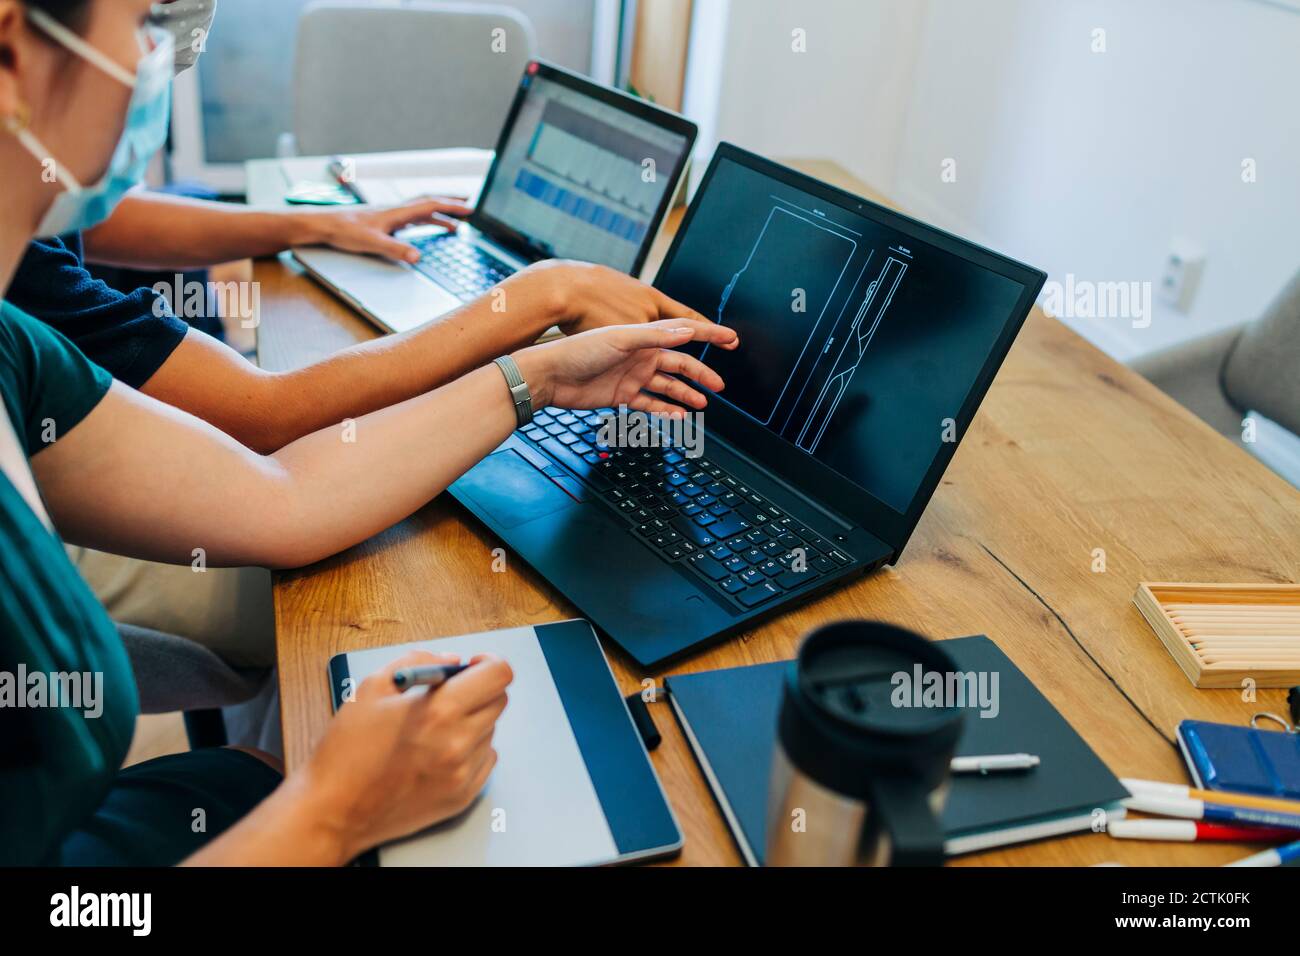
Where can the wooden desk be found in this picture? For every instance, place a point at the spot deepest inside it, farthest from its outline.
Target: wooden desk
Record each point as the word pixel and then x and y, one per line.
pixel 1071 452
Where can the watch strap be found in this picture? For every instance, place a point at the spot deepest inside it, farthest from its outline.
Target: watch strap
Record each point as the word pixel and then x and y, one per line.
pixel 520 393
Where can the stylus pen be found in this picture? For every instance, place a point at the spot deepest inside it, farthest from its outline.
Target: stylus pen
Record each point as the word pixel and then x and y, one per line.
pixel 1279 856
pixel 343 177
pixel 991 763
pixel 426 675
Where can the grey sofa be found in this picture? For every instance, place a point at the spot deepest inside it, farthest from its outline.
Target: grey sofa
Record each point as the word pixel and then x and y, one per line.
pixel 1253 367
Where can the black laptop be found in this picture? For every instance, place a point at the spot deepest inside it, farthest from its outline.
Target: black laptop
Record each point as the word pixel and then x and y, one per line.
pixel 868 340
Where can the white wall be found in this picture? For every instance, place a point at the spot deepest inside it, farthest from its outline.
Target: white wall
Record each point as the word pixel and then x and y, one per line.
pixel 1081 163
pixel 843 98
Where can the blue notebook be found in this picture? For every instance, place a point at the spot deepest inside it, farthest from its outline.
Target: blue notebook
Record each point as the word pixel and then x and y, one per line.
pixel 1238 759
pixel 729 717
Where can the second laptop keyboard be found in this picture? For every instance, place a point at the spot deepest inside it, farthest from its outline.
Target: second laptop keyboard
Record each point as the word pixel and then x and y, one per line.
pixel 690 510
pixel 458 265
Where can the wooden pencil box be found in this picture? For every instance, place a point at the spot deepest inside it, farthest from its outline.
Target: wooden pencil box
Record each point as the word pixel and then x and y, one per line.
pixel 1222 634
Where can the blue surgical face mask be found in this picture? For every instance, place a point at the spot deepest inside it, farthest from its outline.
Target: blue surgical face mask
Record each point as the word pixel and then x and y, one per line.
pixel 82 207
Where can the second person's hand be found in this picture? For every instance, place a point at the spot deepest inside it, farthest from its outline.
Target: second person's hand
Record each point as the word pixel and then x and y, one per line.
pixel 369 229
pixel 581 296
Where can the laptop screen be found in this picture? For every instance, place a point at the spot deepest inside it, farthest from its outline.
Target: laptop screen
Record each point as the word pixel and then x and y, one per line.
pixel 860 342
pixel 581 176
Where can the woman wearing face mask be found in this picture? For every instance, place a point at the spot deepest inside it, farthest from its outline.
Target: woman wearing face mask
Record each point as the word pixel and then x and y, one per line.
pixel 80 88
pixel 136 338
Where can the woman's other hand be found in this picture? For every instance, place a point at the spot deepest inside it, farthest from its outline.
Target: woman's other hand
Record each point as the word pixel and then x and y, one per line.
pixel 394 763
pixel 632 365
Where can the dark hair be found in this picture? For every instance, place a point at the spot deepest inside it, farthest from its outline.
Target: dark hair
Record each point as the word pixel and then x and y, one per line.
pixel 67 12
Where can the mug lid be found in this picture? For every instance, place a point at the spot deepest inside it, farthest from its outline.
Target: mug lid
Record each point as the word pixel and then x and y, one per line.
pixel 870 678
pixel 849 717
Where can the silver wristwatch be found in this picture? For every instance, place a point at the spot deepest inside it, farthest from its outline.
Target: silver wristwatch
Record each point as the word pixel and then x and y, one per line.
pixel 519 391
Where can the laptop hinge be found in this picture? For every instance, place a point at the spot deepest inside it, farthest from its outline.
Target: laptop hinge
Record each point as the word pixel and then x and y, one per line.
pixel 509 240
pixel 772 476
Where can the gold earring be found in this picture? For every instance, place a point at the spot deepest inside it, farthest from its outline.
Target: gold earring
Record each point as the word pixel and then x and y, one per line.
pixel 19 119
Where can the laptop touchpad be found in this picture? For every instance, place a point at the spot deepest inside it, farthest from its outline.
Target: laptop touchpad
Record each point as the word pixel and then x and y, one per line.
pixel 511 490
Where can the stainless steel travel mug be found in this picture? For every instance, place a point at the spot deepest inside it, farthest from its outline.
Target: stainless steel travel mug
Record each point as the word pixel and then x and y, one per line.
pixel 860 775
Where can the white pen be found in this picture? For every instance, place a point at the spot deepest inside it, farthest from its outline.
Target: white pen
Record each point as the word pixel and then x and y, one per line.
pixel 1191 831
pixel 992 763
pixel 1155 787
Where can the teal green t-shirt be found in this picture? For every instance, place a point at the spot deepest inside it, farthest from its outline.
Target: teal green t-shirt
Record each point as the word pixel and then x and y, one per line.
pixel 68 700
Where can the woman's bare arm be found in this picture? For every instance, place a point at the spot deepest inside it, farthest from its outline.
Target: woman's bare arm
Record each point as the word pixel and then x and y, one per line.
pixel 141 478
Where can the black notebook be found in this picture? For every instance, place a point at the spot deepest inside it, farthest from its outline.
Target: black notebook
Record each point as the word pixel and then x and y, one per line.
pixel 729 717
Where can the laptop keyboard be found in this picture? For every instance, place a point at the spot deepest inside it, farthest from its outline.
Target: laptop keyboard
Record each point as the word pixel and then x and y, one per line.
pixel 691 511
pixel 458 265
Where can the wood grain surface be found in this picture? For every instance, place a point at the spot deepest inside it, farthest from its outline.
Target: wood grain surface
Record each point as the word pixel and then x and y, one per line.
pixel 1070 452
